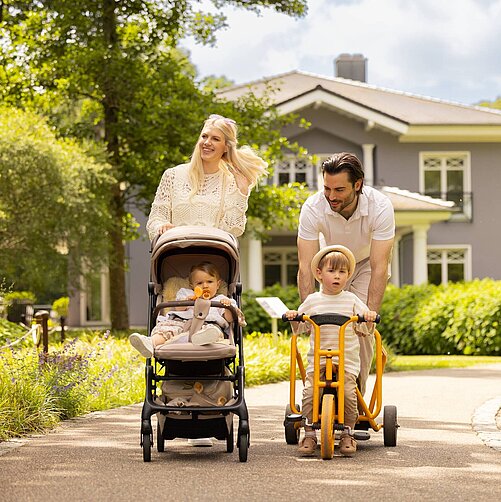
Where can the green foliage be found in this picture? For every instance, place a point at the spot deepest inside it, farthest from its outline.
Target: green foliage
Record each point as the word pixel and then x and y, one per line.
pixel 60 306
pixel 268 357
pixel 88 373
pixel 10 331
pixel 257 319
pixel 13 296
pixel 459 318
pixel 112 72
pixel 52 199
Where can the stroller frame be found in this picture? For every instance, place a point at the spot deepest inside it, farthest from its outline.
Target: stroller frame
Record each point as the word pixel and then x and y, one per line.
pixel 197 421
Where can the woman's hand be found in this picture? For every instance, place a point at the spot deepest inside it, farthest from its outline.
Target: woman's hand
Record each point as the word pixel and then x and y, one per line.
pixel 165 227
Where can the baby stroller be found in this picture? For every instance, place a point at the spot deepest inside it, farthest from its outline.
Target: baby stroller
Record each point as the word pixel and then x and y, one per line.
pixel 183 370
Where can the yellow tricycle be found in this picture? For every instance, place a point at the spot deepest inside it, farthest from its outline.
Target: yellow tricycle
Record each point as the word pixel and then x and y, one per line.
pixel 329 417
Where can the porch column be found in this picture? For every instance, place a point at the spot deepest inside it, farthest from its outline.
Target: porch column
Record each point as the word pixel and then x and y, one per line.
pixel 368 163
pixel 395 262
pixel 255 264
pixel 420 253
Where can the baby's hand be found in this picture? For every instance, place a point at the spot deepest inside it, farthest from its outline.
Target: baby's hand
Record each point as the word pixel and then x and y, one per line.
pixel 290 314
pixel 225 301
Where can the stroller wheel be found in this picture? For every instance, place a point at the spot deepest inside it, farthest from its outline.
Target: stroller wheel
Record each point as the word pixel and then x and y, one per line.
pixel 243 447
pixel 160 439
pixel 243 440
pixel 146 440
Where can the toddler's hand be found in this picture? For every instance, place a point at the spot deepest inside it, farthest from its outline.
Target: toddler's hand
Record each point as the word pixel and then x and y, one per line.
pixel 290 314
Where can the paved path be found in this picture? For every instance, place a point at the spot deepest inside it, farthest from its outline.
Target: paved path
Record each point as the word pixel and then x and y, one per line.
pixel 438 457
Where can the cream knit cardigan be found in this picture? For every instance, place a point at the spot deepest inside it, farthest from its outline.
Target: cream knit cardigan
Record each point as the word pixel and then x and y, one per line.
pixel 172 203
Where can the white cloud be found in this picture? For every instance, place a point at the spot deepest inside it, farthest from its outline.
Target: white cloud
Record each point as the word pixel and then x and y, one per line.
pixel 442 49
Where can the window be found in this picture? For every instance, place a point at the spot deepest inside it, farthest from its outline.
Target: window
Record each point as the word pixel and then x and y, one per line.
pixel 292 169
pixel 446 175
pixel 94 303
pixel 452 264
pixel 280 266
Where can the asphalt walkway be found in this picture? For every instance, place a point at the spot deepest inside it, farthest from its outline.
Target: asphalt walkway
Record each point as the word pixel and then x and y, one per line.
pixel 442 453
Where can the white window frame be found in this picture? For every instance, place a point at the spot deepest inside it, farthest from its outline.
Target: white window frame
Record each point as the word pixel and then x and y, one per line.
pixel 283 251
pixel 466 214
pixel 444 262
pixel 105 304
pixel 313 170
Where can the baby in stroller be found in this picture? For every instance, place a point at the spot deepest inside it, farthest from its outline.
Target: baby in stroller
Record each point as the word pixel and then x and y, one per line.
pixel 205 279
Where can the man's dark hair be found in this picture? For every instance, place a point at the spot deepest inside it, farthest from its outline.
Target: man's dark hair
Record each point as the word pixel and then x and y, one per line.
pixel 347 163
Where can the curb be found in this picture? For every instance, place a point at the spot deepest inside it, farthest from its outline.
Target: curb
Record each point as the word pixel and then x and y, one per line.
pixel 484 424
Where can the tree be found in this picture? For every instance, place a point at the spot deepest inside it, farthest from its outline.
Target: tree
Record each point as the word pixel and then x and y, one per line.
pixel 119 61
pixel 53 197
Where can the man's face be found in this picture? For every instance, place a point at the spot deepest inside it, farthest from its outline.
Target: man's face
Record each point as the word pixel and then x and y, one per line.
pixel 341 194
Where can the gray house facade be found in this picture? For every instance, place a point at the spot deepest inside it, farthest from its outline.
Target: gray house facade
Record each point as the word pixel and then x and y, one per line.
pixel 439 162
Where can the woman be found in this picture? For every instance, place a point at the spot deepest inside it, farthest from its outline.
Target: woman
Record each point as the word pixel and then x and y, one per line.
pixel 213 188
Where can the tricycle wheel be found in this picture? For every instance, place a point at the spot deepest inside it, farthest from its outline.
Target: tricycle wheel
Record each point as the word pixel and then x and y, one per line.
pixel 327 427
pixel 291 427
pixel 390 425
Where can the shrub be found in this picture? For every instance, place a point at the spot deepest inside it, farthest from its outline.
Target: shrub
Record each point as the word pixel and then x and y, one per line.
pixel 457 318
pixel 398 316
pixel 60 306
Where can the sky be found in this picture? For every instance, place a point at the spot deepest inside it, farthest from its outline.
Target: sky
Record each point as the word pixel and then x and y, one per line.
pixel 449 50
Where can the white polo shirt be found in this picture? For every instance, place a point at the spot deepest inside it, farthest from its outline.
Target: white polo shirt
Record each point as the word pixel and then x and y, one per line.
pixel 373 218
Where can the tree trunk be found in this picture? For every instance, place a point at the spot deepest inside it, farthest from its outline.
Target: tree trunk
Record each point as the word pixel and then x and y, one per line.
pixel 118 299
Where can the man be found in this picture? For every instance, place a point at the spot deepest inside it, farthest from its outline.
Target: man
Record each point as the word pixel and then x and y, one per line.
pixel 360 218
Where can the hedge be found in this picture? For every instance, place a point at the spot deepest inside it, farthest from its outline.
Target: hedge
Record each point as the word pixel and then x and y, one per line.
pixel 457 318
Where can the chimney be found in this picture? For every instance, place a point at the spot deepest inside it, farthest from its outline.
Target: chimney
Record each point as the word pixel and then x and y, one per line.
pixel 351 66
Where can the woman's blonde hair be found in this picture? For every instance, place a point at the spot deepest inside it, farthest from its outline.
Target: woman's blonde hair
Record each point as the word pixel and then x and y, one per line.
pixel 244 159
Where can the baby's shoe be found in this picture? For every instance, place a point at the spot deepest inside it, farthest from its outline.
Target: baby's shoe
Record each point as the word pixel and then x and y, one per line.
pixel 347 444
pixel 308 446
pixel 208 334
pixel 142 344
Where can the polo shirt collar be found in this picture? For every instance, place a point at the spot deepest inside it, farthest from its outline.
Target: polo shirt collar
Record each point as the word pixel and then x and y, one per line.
pixel 361 210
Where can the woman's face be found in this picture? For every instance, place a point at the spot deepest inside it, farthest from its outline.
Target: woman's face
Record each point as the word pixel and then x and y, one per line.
pixel 205 281
pixel 212 144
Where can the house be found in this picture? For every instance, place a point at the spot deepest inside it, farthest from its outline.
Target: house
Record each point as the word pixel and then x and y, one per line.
pixel 438 161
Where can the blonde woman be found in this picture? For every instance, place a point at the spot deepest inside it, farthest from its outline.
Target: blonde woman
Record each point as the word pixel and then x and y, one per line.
pixel 213 188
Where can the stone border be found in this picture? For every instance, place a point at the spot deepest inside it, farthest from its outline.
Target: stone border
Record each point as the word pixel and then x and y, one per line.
pixel 484 423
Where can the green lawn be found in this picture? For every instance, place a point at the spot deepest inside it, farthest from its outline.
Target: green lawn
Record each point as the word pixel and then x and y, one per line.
pixel 410 363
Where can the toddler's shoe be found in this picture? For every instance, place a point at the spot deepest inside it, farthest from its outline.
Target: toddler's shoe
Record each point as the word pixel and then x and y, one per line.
pixel 347 445
pixel 208 334
pixel 142 344
pixel 308 446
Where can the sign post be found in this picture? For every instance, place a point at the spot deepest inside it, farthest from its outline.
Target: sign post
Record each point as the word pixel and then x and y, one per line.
pixel 275 308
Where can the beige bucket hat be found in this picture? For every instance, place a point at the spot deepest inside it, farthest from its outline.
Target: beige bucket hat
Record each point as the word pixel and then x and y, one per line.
pixel 328 249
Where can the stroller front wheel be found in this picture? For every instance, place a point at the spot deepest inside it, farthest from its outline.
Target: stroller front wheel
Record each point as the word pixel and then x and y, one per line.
pixel 146 440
